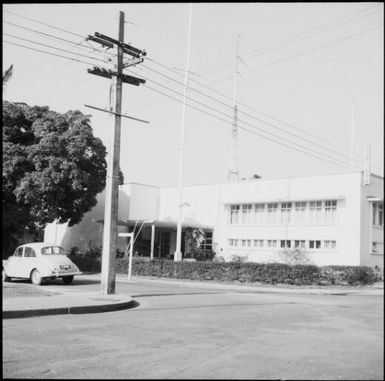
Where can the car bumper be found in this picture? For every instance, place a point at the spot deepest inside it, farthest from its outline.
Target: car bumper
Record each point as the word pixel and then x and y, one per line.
pixel 67 273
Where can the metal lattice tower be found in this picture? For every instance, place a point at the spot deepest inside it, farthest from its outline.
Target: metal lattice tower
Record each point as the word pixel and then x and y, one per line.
pixel 233 174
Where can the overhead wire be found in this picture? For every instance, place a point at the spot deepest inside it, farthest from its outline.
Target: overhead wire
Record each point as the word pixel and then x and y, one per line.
pixel 251 108
pixel 246 129
pixel 251 116
pixel 42 23
pixel 307 34
pixel 53 47
pixel 52 54
pixel 75 53
pixel 153 81
pixel 242 121
pixel 112 54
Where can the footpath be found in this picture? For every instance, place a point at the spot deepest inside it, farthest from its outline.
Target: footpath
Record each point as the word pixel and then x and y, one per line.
pixel 77 302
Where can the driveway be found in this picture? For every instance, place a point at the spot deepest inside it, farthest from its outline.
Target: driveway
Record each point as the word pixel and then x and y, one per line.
pixel 181 330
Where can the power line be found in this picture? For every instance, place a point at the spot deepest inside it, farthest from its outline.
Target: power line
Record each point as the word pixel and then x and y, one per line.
pixel 63 40
pixel 53 47
pixel 89 63
pixel 317 47
pixel 258 119
pixel 52 54
pixel 246 129
pixel 42 23
pixel 251 108
pixel 103 61
pixel 45 34
pixel 304 52
pixel 230 116
pixel 249 124
pixel 310 31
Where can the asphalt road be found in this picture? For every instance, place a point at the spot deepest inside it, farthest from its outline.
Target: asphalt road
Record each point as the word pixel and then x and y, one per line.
pixel 184 331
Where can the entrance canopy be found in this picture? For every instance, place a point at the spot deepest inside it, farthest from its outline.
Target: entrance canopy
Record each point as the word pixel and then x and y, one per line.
pixel 166 223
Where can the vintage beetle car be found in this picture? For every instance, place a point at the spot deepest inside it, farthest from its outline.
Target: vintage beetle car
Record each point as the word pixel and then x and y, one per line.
pixel 39 260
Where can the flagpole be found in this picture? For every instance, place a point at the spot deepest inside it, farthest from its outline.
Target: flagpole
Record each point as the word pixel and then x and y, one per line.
pixel 178 252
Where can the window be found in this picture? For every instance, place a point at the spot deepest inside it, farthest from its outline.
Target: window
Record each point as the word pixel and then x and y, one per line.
pixel 234 214
pixel 208 242
pixel 329 245
pixel 246 213
pixel 259 210
pixel 299 244
pixel 272 243
pixel 314 244
pixel 330 211
pixel 246 243
pixel 233 242
pixel 285 212
pixel 258 242
pixel 374 211
pixel 300 212
pixel 18 252
pixel 378 214
pixel 29 252
pixel 315 212
pixel 377 248
pixel 285 244
pixel 52 250
pixel 272 210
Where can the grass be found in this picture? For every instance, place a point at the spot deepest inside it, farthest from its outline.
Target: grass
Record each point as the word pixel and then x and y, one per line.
pixel 22 289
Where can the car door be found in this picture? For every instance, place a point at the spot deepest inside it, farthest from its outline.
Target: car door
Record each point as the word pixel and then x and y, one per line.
pixel 14 263
pixel 28 261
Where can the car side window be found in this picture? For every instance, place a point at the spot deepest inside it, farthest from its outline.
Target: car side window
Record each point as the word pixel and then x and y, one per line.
pixel 18 252
pixel 29 252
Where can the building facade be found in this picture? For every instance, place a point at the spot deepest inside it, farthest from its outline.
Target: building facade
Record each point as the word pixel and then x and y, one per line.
pixel 332 219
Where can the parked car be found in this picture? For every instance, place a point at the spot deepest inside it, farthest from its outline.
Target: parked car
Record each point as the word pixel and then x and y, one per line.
pixel 38 261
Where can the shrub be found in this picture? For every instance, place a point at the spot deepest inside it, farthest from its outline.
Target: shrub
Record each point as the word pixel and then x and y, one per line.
pixel 268 273
pixel 202 255
pixel 294 256
pixel 89 259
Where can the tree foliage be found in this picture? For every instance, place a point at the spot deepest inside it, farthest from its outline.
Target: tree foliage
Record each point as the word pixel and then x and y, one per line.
pixel 53 166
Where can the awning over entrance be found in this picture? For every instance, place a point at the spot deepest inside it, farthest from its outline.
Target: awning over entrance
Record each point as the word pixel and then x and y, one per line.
pixel 166 223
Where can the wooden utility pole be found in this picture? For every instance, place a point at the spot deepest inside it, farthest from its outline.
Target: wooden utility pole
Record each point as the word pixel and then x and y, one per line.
pixel 112 183
pixel 110 232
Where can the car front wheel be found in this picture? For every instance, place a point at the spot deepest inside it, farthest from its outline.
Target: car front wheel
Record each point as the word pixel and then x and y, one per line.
pixel 36 277
pixel 6 278
pixel 68 279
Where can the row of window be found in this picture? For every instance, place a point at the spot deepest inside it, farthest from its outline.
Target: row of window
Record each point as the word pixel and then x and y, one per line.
pixel 378 214
pixel 283 244
pixel 299 212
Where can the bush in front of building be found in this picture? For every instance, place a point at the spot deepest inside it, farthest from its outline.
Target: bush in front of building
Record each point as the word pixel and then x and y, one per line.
pixel 347 275
pixel 266 273
pixel 88 260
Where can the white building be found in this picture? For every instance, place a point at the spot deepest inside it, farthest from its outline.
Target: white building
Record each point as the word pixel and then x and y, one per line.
pixel 335 219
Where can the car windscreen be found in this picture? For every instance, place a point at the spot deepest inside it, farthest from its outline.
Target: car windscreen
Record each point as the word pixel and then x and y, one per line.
pixel 52 250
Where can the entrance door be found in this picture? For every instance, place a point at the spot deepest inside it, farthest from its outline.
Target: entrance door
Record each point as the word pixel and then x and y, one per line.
pixel 164 244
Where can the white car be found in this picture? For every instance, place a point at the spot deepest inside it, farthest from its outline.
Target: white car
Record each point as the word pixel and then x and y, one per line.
pixel 39 260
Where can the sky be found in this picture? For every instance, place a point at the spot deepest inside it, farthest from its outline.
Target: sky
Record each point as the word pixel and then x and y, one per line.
pixel 310 85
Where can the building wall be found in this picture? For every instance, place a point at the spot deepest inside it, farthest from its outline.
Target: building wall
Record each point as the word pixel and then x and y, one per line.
pixel 209 208
pixel 369 232
pixel 346 231
pixel 136 201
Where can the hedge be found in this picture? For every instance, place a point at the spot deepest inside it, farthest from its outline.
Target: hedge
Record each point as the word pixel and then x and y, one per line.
pixel 272 273
pixel 247 272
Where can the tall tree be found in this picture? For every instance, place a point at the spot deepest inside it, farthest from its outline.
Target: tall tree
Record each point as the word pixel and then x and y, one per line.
pixel 53 167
